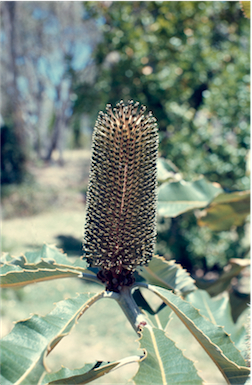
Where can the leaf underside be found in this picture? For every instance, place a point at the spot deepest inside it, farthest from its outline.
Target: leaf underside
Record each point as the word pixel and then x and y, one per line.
pixel 84 375
pixel 215 341
pixel 165 363
pixel 38 266
pixel 218 311
pixel 25 347
pixel 168 275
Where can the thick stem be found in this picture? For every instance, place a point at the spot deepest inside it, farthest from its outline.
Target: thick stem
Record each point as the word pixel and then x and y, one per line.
pixel 130 308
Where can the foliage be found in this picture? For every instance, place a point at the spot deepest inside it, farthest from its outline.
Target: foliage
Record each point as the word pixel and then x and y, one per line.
pixel 155 364
pixel 154 62
pixel 246 8
pixel 179 197
pixel 206 238
pixel 189 62
pixel 146 51
pixel 233 210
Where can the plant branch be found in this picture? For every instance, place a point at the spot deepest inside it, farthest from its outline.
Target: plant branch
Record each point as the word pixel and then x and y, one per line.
pixel 130 308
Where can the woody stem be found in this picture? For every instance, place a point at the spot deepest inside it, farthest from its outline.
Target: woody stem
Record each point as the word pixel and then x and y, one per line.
pixel 130 308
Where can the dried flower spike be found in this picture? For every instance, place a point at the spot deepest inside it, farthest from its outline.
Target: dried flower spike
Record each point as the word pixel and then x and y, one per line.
pixel 120 227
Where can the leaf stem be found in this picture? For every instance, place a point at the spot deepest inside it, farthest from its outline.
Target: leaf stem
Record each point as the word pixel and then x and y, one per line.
pixel 130 308
pixel 90 277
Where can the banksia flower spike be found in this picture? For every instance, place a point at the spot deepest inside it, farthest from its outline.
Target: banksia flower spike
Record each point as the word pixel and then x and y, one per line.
pixel 120 227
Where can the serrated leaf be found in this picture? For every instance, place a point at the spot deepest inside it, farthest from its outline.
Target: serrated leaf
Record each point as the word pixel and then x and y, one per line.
pixel 86 374
pixel 25 347
pixel 226 210
pixel 50 253
pixel 214 340
pixel 38 266
pixel 167 274
pixel 5 258
pixel 18 277
pixel 83 375
pixel 218 311
pixel 165 363
pixel 176 198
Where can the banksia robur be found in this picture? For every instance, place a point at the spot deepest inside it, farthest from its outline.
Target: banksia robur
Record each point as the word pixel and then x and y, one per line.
pixel 120 227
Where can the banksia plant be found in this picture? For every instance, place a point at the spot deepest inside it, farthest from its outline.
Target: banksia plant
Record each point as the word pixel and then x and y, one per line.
pixel 119 236
pixel 120 226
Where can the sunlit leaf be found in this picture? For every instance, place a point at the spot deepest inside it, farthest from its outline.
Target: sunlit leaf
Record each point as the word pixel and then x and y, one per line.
pixel 165 363
pixel 49 253
pixel 42 265
pixel 176 198
pixel 14 276
pixel 227 210
pixel 215 341
pixel 218 311
pixel 167 274
pixel 5 258
pixel 246 8
pixel 24 348
pixel 86 374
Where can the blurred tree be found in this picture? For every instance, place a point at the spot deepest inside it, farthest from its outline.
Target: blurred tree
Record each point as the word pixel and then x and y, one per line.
pixel 189 63
pixel 46 43
pixel 13 136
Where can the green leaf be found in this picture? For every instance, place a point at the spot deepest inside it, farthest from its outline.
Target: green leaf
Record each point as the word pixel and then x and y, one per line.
pixel 166 170
pixel 226 210
pixel 165 363
pixel 14 276
pixel 42 265
pixel 167 274
pixel 235 266
pixel 246 8
pixel 50 253
pixel 218 311
pixel 213 338
pixel 5 258
pixel 239 303
pixel 25 347
pixel 158 318
pixel 179 197
pixel 86 374
pixel 161 318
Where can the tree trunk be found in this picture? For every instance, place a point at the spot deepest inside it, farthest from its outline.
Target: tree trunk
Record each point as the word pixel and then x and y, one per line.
pixel 9 12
